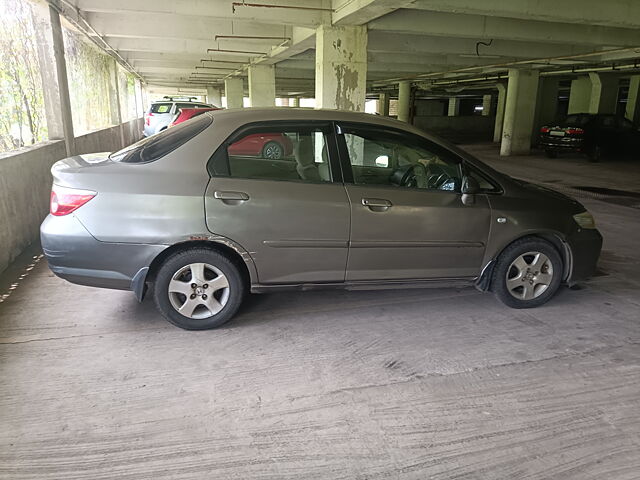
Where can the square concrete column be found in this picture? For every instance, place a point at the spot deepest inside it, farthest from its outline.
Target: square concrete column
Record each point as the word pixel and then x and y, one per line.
pixel 502 100
pixel 487 105
pixel 519 112
pixel 580 95
pixel 234 91
pixel 547 104
pixel 55 84
pixel 341 67
pixel 633 101
pixel 404 101
pixel 383 104
pixel 214 97
pixel 604 93
pixel 454 107
pixel 262 85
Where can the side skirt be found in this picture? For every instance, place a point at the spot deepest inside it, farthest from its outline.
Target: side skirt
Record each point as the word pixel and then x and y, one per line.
pixel 370 285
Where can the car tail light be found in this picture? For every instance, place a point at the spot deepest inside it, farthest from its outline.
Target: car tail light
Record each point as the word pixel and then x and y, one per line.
pixel 65 200
pixel 574 131
pixel 544 130
pixel 148 119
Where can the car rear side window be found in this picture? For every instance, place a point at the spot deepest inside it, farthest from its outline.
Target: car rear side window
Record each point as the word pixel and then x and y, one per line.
pixel 153 148
pixel 297 154
pixel 161 108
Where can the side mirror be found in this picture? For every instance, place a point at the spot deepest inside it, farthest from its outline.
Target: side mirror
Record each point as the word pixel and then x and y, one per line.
pixel 470 186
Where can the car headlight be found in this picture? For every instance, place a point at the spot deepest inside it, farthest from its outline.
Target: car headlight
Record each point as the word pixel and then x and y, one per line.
pixel 585 220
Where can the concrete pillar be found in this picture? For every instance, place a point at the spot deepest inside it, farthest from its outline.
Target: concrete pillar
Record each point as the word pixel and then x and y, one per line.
pixel 604 93
pixel 502 100
pixel 547 104
pixel 404 101
pixel 262 85
pixel 383 104
pixel 633 101
pixel 55 85
pixel 454 107
pixel 114 101
pixel 341 67
pixel 234 91
pixel 294 102
pixel 487 105
pixel 519 112
pixel 579 95
pixel 214 97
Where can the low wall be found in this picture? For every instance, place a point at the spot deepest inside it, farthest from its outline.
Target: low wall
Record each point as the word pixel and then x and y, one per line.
pixel 25 184
pixel 460 129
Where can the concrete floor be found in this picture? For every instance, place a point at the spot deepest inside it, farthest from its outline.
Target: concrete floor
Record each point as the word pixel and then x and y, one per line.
pixel 371 385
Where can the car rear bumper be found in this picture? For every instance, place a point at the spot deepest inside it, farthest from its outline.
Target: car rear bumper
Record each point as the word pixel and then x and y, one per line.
pixel 75 255
pixel 585 245
pixel 563 144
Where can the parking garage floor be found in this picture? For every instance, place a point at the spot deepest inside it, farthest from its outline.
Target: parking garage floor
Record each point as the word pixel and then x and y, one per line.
pixel 436 383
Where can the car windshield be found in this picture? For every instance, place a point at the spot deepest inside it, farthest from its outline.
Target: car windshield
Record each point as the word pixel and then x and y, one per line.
pixel 157 146
pixel 577 120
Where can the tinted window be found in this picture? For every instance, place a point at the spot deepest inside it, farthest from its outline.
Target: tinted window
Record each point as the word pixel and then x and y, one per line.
pixel 290 154
pixel 161 108
pixel 486 184
pixel 608 122
pixel 157 146
pixel 577 120
pixel 400 160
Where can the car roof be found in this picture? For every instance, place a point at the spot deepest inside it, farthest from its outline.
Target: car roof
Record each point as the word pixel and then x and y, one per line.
pixel 241 116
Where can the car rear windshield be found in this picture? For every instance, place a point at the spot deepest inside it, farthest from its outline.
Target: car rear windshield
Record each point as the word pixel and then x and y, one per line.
pixel 577 120
pixel 157 146
pixel 161 108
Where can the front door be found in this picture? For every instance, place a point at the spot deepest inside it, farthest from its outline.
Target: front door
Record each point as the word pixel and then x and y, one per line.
pixel 287 212
pixel 408 220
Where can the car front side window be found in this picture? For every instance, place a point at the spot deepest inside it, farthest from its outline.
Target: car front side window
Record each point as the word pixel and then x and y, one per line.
pixel 393 159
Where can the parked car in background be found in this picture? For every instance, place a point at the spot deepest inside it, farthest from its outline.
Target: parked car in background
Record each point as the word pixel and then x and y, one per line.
pixel 162 113
pixel 185 114
pixel 593 134
pixel 272 146
pixel 365 202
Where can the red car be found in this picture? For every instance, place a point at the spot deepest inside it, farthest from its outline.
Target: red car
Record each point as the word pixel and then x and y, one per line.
pixel 266 145
pixel 185 114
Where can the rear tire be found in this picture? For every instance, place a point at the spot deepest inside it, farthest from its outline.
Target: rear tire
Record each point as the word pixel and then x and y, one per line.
pixel 272 151
pixel 198 289
pixel 527 274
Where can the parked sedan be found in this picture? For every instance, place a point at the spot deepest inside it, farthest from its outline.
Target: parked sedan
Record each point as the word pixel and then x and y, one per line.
pixel 594 135
pixel 365 202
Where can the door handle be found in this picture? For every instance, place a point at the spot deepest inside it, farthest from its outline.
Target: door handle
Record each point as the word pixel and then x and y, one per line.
pixel 236 196
pixel 376 204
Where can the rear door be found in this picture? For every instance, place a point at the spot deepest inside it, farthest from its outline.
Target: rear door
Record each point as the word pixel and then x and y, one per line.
pixel 407 217
pixel 290 214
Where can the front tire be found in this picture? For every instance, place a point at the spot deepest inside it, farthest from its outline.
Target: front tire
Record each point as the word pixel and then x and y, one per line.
pixel 198 289
pixel 595 154
pixel 527 274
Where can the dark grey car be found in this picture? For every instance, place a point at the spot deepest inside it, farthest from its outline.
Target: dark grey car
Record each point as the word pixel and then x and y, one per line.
pixel 199 217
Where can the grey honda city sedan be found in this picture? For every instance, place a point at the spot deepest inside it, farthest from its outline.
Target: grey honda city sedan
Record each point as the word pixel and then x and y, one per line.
pixel 199 215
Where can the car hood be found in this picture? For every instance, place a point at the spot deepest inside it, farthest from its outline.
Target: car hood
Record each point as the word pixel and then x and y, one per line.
pixel 549 194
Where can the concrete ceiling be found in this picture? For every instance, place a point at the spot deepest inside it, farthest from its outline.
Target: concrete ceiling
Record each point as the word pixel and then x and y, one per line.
pixel 192 43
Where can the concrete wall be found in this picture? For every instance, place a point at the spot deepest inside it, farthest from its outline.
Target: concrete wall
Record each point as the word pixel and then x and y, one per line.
pixel 25 184
pixel 461 129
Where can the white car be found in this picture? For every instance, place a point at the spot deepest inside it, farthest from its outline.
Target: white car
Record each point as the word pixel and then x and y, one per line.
pixel 162 113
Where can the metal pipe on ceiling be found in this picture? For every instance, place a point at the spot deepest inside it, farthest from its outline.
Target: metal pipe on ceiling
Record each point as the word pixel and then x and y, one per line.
pixel 251 37
pixel 235 51
pixel 234 5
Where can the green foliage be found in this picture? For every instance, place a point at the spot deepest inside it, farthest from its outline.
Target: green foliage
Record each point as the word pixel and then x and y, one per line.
pixel 22 120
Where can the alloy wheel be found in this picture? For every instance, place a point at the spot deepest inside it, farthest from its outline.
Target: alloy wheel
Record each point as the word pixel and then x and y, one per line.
pixel 198 290
pixel 529 275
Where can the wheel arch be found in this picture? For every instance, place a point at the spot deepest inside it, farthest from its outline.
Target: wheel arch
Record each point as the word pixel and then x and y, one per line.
pixel 245 266
pixel 483 282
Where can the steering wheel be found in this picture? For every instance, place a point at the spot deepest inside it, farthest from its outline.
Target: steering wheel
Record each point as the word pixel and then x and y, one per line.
pixel 436 181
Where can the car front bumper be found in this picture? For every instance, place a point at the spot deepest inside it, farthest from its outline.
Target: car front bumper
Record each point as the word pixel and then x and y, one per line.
pixel 585 245
pixel 75 255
